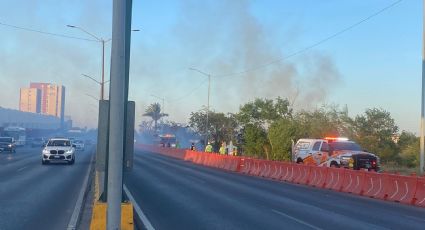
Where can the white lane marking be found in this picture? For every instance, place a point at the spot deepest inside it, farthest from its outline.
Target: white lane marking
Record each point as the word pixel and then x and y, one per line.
pixel 138 210
pixel 22 168
pixel 76 214
pixel 296 220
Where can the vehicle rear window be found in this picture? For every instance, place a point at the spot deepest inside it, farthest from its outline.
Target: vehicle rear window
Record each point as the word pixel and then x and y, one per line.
pixel 5 139
pixel 59 143
pixel 336 146
pixel 302 145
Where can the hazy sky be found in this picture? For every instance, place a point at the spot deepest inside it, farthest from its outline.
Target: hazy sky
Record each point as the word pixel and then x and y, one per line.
pixel 375 64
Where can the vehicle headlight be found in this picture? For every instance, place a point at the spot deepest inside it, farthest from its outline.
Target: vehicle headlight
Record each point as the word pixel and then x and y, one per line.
pixel 45 151
pixel 10 146
pixel 345 158
pixel 69 151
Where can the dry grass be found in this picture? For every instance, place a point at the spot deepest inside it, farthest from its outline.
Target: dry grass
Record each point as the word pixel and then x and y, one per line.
pixel 392 167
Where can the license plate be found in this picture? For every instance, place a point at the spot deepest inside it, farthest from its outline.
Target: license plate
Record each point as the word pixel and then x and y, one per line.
pixel 57 157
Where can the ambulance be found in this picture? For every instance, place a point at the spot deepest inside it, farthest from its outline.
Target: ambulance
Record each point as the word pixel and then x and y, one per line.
pixel 334 152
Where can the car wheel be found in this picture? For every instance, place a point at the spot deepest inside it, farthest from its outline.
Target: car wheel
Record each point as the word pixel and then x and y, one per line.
pixel 334 165
pixel 300 161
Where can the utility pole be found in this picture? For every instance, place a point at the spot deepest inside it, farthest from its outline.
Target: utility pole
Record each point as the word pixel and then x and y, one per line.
pixel 208 107
pixel 208 101
pixel 421 156
pixel 118 93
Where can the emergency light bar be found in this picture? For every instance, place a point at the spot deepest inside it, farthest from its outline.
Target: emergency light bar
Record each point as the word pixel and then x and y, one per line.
pixel 336 138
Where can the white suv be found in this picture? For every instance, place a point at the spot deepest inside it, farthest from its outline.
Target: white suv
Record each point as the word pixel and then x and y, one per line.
pixel 58 150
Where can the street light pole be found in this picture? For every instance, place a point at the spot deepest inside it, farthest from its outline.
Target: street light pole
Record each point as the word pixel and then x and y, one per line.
pixel 102 87
pixel 208 101
pixel 103 41
pixel 421 154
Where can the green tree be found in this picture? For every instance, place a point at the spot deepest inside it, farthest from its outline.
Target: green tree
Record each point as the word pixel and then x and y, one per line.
pixel 221 127
pixel 281 134
pixel 255 118
pixel 154 112
pixel 375 131
pixel 256 143
pixel 264 111
pixel 324 121
pixel 408 144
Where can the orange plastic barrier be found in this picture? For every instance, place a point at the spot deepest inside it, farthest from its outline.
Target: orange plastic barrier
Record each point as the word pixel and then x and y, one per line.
pixel 419 198
pixel 400 188
pixel 277 171
pixel 373 184
pixel 335 178
pixel 353 181
pixel 289 172
pixel 255 170
pixel 302 175
pixel 318 176
pixel 246 164
pixel 264 172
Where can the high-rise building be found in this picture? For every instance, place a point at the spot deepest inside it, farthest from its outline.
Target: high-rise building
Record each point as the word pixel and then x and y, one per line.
pixel 30 100
pixel 52 100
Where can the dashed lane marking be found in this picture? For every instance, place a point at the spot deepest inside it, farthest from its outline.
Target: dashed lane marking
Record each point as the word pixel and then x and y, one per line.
pixel 296 220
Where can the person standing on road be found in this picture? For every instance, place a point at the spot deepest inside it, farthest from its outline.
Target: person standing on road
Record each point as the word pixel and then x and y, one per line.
pixel 222 149
pixel 192 147
pixel 208 148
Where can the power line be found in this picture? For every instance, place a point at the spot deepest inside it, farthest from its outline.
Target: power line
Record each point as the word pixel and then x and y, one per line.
pixel 305 49
pixel 190 92
pixel 45 33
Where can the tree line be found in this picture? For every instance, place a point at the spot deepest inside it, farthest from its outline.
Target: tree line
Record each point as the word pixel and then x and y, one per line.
pixel 266 128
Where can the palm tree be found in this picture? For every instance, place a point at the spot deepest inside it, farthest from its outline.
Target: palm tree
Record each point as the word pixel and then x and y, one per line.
pixel 154 111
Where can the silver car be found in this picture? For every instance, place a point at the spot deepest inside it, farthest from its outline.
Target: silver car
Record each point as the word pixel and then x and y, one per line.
pixel 58 150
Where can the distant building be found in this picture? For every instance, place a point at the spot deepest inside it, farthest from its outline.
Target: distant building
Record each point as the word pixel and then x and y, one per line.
pixel 30 100
pixel 52 99
pixel 16 118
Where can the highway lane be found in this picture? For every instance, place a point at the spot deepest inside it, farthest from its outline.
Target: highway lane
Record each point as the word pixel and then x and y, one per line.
pixel 180 195
pixel 36 196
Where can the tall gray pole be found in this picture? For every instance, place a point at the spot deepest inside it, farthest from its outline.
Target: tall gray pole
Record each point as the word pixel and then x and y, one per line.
pixel 421 157
pixel 208 107
pixel 102 83
pixel 117 96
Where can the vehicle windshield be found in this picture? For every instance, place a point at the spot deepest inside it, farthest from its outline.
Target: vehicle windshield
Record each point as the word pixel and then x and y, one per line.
pixel 59 143
pixel 336 146
pixel 5 139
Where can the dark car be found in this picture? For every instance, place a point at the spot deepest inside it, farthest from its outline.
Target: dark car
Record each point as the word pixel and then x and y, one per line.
pixel 7 144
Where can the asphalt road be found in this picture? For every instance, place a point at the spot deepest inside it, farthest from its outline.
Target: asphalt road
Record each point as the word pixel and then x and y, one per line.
pixel 175 194
pixel 36 196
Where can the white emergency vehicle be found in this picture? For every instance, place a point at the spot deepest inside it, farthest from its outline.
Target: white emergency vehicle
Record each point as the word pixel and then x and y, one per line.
pixel 334 152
